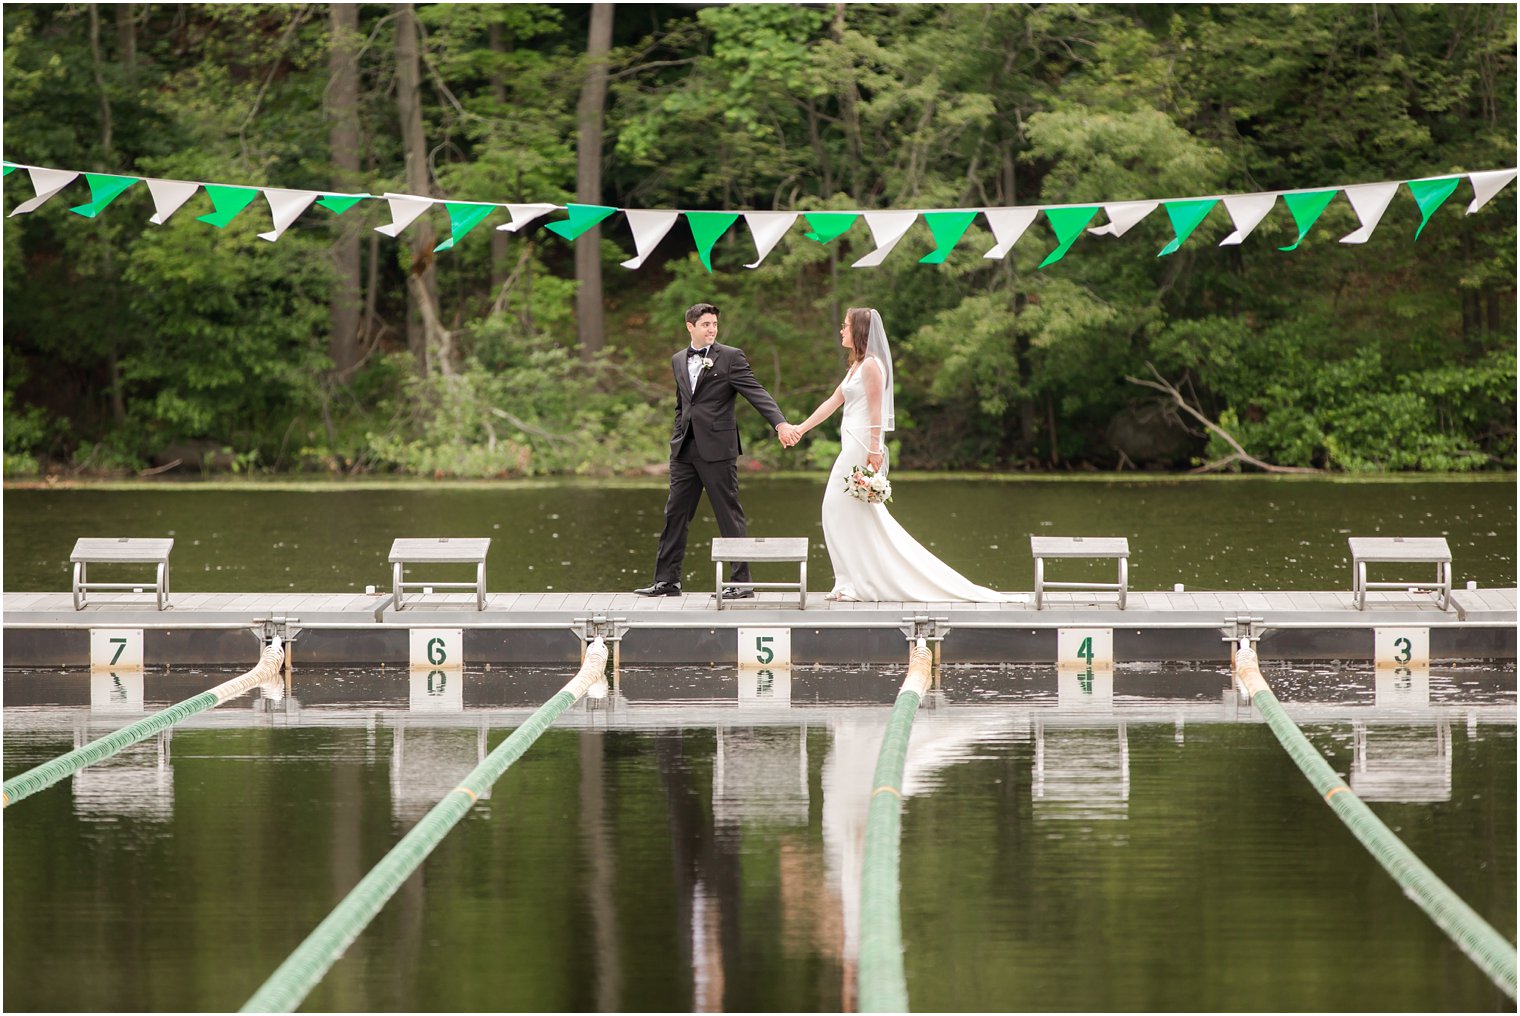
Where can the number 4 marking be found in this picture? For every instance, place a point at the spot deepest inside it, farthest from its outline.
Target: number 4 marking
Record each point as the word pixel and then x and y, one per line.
pixel 1085 651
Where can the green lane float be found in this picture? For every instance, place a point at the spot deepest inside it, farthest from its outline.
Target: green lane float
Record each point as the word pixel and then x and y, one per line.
pixel 49 773
pixel 304 968
pixel 1463 925
pixel 883 984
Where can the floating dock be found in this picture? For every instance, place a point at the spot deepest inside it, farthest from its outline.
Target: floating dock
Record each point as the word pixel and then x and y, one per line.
pixel 447 630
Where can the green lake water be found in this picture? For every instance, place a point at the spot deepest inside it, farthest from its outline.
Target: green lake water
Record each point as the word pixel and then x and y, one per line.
pixel 694 842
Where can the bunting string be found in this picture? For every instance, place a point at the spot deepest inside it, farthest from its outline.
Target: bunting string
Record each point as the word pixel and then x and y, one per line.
pixel 887 227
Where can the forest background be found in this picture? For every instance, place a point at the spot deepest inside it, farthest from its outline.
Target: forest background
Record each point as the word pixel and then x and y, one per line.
pixel 130 347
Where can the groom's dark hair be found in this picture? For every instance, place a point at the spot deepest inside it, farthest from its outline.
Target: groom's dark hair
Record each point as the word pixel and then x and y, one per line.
pixel 697 310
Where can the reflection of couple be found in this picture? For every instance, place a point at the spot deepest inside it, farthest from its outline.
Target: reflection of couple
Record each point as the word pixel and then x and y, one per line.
pixel 874 558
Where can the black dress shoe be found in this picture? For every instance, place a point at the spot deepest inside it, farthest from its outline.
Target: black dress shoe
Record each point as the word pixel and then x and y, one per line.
pixel 661 589
pixel 736 593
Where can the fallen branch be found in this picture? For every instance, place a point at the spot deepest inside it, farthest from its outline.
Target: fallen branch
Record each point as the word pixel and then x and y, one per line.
pixel 1241 455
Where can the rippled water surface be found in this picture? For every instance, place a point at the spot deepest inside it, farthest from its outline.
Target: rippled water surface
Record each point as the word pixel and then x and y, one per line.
pixel 1208 533
pixel 1137 840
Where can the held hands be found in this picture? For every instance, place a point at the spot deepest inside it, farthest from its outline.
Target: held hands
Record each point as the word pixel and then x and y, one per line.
pixel 789 435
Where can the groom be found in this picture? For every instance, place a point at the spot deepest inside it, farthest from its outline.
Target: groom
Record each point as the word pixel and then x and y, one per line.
pixel 704 447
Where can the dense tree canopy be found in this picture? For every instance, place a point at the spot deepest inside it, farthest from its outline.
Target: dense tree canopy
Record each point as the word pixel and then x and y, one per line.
pixel 128 344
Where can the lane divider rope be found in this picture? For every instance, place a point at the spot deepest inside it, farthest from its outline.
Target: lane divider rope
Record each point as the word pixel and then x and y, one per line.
pixel 293 980
pixel 1491 951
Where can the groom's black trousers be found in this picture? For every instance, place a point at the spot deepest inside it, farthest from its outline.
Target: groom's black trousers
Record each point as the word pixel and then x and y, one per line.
pixel 689 477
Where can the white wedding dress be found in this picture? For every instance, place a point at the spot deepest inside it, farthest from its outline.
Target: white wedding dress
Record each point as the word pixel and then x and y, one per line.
pixel 874 558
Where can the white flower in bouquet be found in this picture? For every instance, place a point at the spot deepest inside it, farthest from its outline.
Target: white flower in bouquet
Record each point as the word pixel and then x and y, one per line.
pixel 866 484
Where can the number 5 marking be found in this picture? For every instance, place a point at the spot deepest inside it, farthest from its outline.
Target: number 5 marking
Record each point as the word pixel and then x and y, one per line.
pixel 763 652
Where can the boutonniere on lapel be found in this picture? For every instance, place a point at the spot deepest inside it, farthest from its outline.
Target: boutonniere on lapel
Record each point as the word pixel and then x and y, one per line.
pixel 706 362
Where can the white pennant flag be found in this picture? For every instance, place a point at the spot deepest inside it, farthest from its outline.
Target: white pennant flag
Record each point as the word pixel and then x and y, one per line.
pixel 1247 211
pixel 887 228
pixel 1122 216
pixel 405 208
pixel 1008 224
pixel 1486 185
pixel 649 228
pixel 46 182
pixel 767 228
pixel 285 206
pixel 1370 201
pixel 168 196
pixel 524 214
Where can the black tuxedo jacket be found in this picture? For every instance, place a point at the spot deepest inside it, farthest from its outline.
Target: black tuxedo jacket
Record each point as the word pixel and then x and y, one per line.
pixel 706 413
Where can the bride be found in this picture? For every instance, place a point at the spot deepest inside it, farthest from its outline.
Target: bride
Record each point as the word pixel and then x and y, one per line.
pixel 874 558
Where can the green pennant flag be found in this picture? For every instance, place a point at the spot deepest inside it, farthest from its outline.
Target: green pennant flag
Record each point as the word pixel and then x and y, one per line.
pixel 828 225
pixel 228 201
pixel 103 190
pixel 340 203
pixel 706 227
pixel 1068 224
pixel 8 169
pixel 948 228
pixel 463 217
pixel 1430 195
pixel 1185 216
pixel 582 218
pixel 1306 208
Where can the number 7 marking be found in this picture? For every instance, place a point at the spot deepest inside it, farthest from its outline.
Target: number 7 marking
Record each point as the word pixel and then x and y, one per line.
pixel 121 647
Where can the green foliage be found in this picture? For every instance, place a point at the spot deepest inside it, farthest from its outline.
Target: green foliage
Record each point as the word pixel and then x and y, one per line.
pixel 123 338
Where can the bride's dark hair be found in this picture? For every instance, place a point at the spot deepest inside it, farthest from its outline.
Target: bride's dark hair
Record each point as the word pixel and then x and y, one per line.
pixel 859 320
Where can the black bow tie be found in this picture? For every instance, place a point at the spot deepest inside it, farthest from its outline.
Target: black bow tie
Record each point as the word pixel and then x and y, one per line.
pixel 692 351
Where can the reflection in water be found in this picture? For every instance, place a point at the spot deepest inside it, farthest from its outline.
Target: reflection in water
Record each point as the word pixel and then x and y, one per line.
pixel 1081 772
pixel 137 783
pixel 760 775
pixel 114 691
pixel 1404 763
pixel 746 894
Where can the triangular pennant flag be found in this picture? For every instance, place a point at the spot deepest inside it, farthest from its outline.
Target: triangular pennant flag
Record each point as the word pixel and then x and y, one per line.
pixel 1123 216
pixel 649 228
pixel 706 227
pixel 829 225
pixel 285 207
pixel 103 190
pixel 767 228
pixel 1185 216
pixel 1246 211
pixel 887 228
pixel 1430 195
pixel 1068 224
pixel 582 218
pixel 524 214
pixel 45 183
pixel 405 209
pixel 1369 201
pixel 9 169
pixel 948 228
pixel 1008 224
pixel 340 203
pixel 229 201
pixel 1484 185
pixel 168 196
pixel 1306 207
pixel 463 217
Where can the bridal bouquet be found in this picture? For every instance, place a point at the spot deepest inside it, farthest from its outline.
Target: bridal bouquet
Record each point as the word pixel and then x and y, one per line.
pixel 866 484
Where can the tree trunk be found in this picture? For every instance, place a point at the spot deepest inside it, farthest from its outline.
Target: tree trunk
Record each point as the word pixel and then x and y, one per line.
pixel 107 259
pixel 588 182
pixel 499 239
pixel 126 41
pixel 425 335
pixel 345 302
